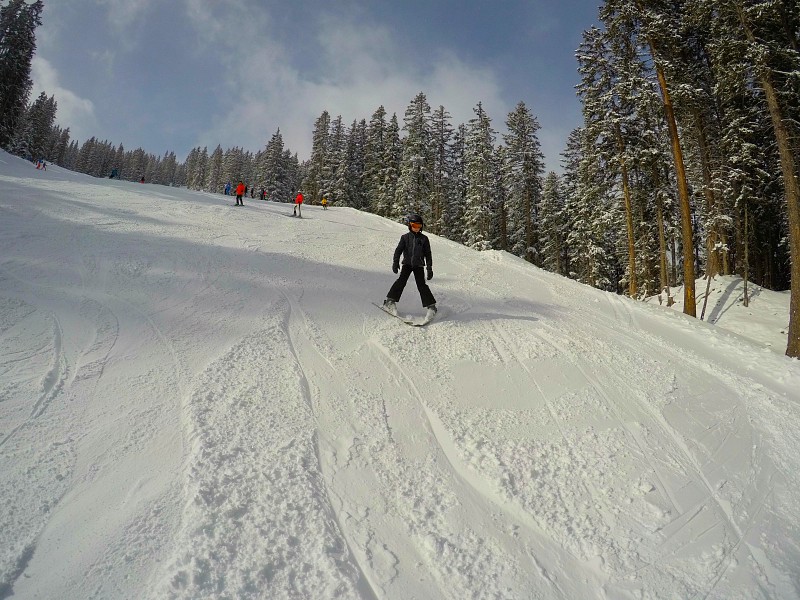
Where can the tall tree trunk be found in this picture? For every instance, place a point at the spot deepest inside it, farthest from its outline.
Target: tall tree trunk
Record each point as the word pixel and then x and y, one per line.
pixel 791 188
pixel 674 255
pixel 746 261
pixel 626 193
pixel 528 207
pixel 662 251
pixel 689 307
pixel 687 242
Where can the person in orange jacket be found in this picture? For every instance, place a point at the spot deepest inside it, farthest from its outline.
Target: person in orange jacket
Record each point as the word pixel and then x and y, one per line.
pixel 239 194
pixel 298 203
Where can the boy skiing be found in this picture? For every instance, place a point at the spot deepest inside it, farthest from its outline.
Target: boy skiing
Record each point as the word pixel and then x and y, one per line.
pixel 415 248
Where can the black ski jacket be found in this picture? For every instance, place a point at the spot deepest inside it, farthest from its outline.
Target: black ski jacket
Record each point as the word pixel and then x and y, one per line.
pixel 416 250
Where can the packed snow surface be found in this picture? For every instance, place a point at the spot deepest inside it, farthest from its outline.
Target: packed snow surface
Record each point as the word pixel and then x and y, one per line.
pixel 199 401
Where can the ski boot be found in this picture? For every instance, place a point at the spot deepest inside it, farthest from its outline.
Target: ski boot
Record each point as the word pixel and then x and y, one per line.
pixel 390 307
pixel 431 313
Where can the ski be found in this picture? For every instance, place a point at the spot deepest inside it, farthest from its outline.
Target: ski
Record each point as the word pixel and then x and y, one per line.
pixel 407 321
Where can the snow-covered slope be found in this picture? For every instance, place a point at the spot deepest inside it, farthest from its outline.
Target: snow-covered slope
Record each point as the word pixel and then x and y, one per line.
pixel 764 321
pixel 199 401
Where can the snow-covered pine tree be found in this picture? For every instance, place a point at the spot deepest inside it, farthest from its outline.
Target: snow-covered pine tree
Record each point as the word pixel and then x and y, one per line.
pixel 346 181
pixel 317 169
pixel 656 24
pixel 137 164
pixel 358 135
pixel 191 166
pixel 522 171
pixel 271 170
pixel 180 175
pixel 772 36
pixel 34 128
pixel 42 115
pixel 337 147
pixel 608 111
pixel 18 22
pixel 71 157
pixel 590 214
pixel 84 163
pixel 453 216
pixel 700 109
pixel 552 226
pixel 498 224
pixel 57 145
pixel 169 166
pixel 374 150
pixel 118 162
pixel 200 176
pixel 479 169
pixel 294 176
pixel 107 154
pixel 390 170
pixel 233 167
pixel 441 169
pixel 214 182
pixel 414 185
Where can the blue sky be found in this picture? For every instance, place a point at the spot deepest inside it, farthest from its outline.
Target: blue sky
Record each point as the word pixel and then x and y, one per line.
pixel 172 75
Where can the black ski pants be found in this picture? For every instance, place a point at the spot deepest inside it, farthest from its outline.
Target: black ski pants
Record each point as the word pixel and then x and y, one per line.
pixel 419 276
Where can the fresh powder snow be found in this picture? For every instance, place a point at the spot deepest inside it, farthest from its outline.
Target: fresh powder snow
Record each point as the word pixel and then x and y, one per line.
pixel 199 400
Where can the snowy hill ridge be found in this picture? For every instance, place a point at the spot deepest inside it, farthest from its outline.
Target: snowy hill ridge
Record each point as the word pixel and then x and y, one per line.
pixel 199 401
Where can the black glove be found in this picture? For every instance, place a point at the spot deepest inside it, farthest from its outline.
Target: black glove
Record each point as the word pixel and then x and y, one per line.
pixel 430 273
pixel 395 268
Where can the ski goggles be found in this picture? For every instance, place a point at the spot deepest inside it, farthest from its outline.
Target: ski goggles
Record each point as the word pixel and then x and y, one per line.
pixel 415 226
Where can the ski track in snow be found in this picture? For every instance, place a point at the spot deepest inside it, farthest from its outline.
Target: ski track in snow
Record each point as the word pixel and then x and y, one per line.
pixel 198 402
pixel 654 439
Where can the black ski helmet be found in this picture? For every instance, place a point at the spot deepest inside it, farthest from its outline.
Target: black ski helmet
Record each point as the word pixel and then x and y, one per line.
pixel 413 218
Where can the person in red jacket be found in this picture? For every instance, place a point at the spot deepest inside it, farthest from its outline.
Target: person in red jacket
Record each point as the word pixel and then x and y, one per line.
pixel 239 194
pixel 298 203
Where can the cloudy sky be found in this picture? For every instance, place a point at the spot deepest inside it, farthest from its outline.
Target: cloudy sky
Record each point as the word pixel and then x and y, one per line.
pixel 175 74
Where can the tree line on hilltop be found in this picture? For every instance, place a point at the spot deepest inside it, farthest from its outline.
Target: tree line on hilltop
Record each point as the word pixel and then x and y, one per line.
pixel 686 162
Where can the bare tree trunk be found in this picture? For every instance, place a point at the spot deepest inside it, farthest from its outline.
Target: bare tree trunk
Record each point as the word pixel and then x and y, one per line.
pixel 626 193
pixel 689 307
pixel 673 253
pixel 662 246
pixel 746 262
pixel 705 300
pixel 529 256
pixel 791 188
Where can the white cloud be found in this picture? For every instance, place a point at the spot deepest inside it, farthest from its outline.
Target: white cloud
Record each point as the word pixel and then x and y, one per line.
pixel 73 111
pixel 121 13
pixel 356 67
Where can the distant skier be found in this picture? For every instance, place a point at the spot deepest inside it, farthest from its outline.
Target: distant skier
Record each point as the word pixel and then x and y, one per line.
pixel 239 193
pixel 298 204
pixel 415 249
pixel 324 203
pixel 228 189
